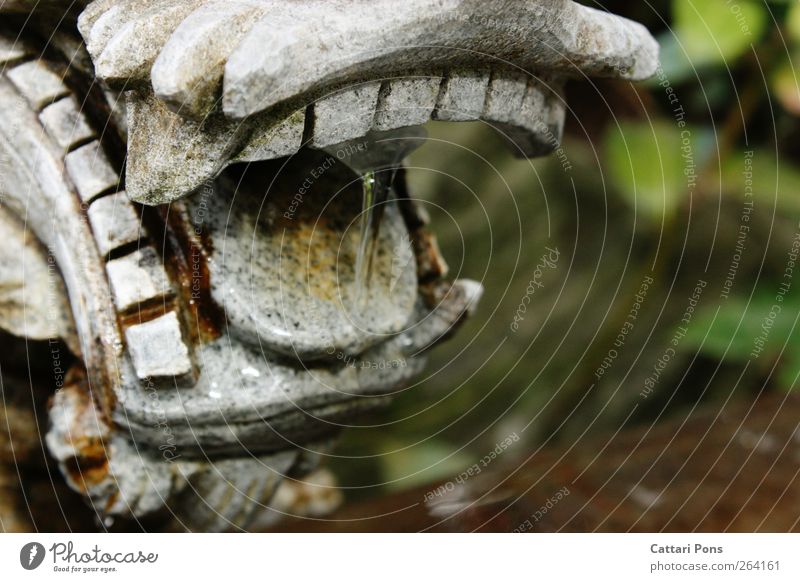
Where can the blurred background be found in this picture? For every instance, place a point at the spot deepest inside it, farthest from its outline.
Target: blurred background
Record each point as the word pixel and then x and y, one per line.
pixel 656 250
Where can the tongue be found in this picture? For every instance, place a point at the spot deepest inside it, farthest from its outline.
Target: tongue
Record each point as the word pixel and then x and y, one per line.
pixel 284 262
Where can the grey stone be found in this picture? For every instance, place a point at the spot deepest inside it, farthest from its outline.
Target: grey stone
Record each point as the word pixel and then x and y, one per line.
pixel 208 83
pixel 65 123
pixel 170 155
pixel 33 300
pixel 125 56
pixel 184 76
pixel 90 171
pixel 529 112
pixel 157 348
pixel 138 278
pixel 454 303
pixel 115 222
pixel 345 115
pixel 269 139
pixel 317 43
pixel 12 50
pixel 462 97
pixel 292 289
pixel 276 57
pixel 37 83
pixel 504 96
pixel 52 212
pixel 404 102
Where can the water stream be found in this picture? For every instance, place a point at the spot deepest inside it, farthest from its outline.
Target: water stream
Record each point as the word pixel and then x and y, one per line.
pixel 376 158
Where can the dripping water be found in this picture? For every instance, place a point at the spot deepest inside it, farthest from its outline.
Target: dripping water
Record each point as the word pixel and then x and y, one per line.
pixel 376 159
pixel 376 187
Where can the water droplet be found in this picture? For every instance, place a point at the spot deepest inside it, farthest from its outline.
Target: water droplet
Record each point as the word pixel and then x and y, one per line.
pixel 376 190
pixel 376 158
pixel 214 394
pixel 250 372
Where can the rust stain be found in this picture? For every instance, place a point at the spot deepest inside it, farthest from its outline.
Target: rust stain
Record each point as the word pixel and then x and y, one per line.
pixel 185 255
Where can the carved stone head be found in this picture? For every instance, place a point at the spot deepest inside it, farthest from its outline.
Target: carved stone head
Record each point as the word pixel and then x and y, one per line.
pixel 221 185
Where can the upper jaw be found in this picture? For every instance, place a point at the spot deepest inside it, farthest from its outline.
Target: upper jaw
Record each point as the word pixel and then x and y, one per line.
pixel 252 80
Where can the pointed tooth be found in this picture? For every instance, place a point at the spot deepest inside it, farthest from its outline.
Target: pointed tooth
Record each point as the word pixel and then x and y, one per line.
pixel 553 113
pixel 97 32
pixel 169 156
pixel 268 140
pixel 282 56
pixel 607 45
pixel 130 52
pixel 91 14
pixel 188 73
pixel 526 111
pixel 504 96
pixel 462 97
pixel 406 102
pixel 345 115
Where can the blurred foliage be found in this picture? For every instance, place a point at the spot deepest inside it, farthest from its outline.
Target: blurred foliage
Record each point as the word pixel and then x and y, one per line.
pixel 623 210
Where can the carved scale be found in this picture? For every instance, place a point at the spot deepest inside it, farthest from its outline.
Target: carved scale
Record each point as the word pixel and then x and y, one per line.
pixel 208 303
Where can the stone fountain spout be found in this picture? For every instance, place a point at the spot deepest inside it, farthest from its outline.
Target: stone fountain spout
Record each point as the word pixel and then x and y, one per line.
pixel 241 268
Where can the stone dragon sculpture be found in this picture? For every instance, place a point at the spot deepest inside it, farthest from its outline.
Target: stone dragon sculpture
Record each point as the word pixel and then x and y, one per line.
pixel 182 187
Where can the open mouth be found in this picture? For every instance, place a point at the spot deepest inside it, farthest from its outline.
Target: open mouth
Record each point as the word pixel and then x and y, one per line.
pixel 212 83
pixel 316 255
pixel 319 259
pixel 264 276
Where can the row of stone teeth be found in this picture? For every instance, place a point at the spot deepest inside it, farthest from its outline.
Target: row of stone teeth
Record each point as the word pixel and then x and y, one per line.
pixel 135 272
pixel 528 110
pixel 515 100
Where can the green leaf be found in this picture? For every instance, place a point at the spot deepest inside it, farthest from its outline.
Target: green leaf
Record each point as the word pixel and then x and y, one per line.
pixel 775 182
pixel 645 166
pixel 425 463
pixel 754 331
pixel 793 22
pixel 714 31
pixel 730 332
pixel 785 85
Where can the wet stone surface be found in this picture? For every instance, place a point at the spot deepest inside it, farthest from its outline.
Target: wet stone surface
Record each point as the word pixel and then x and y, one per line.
pixel 283 266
